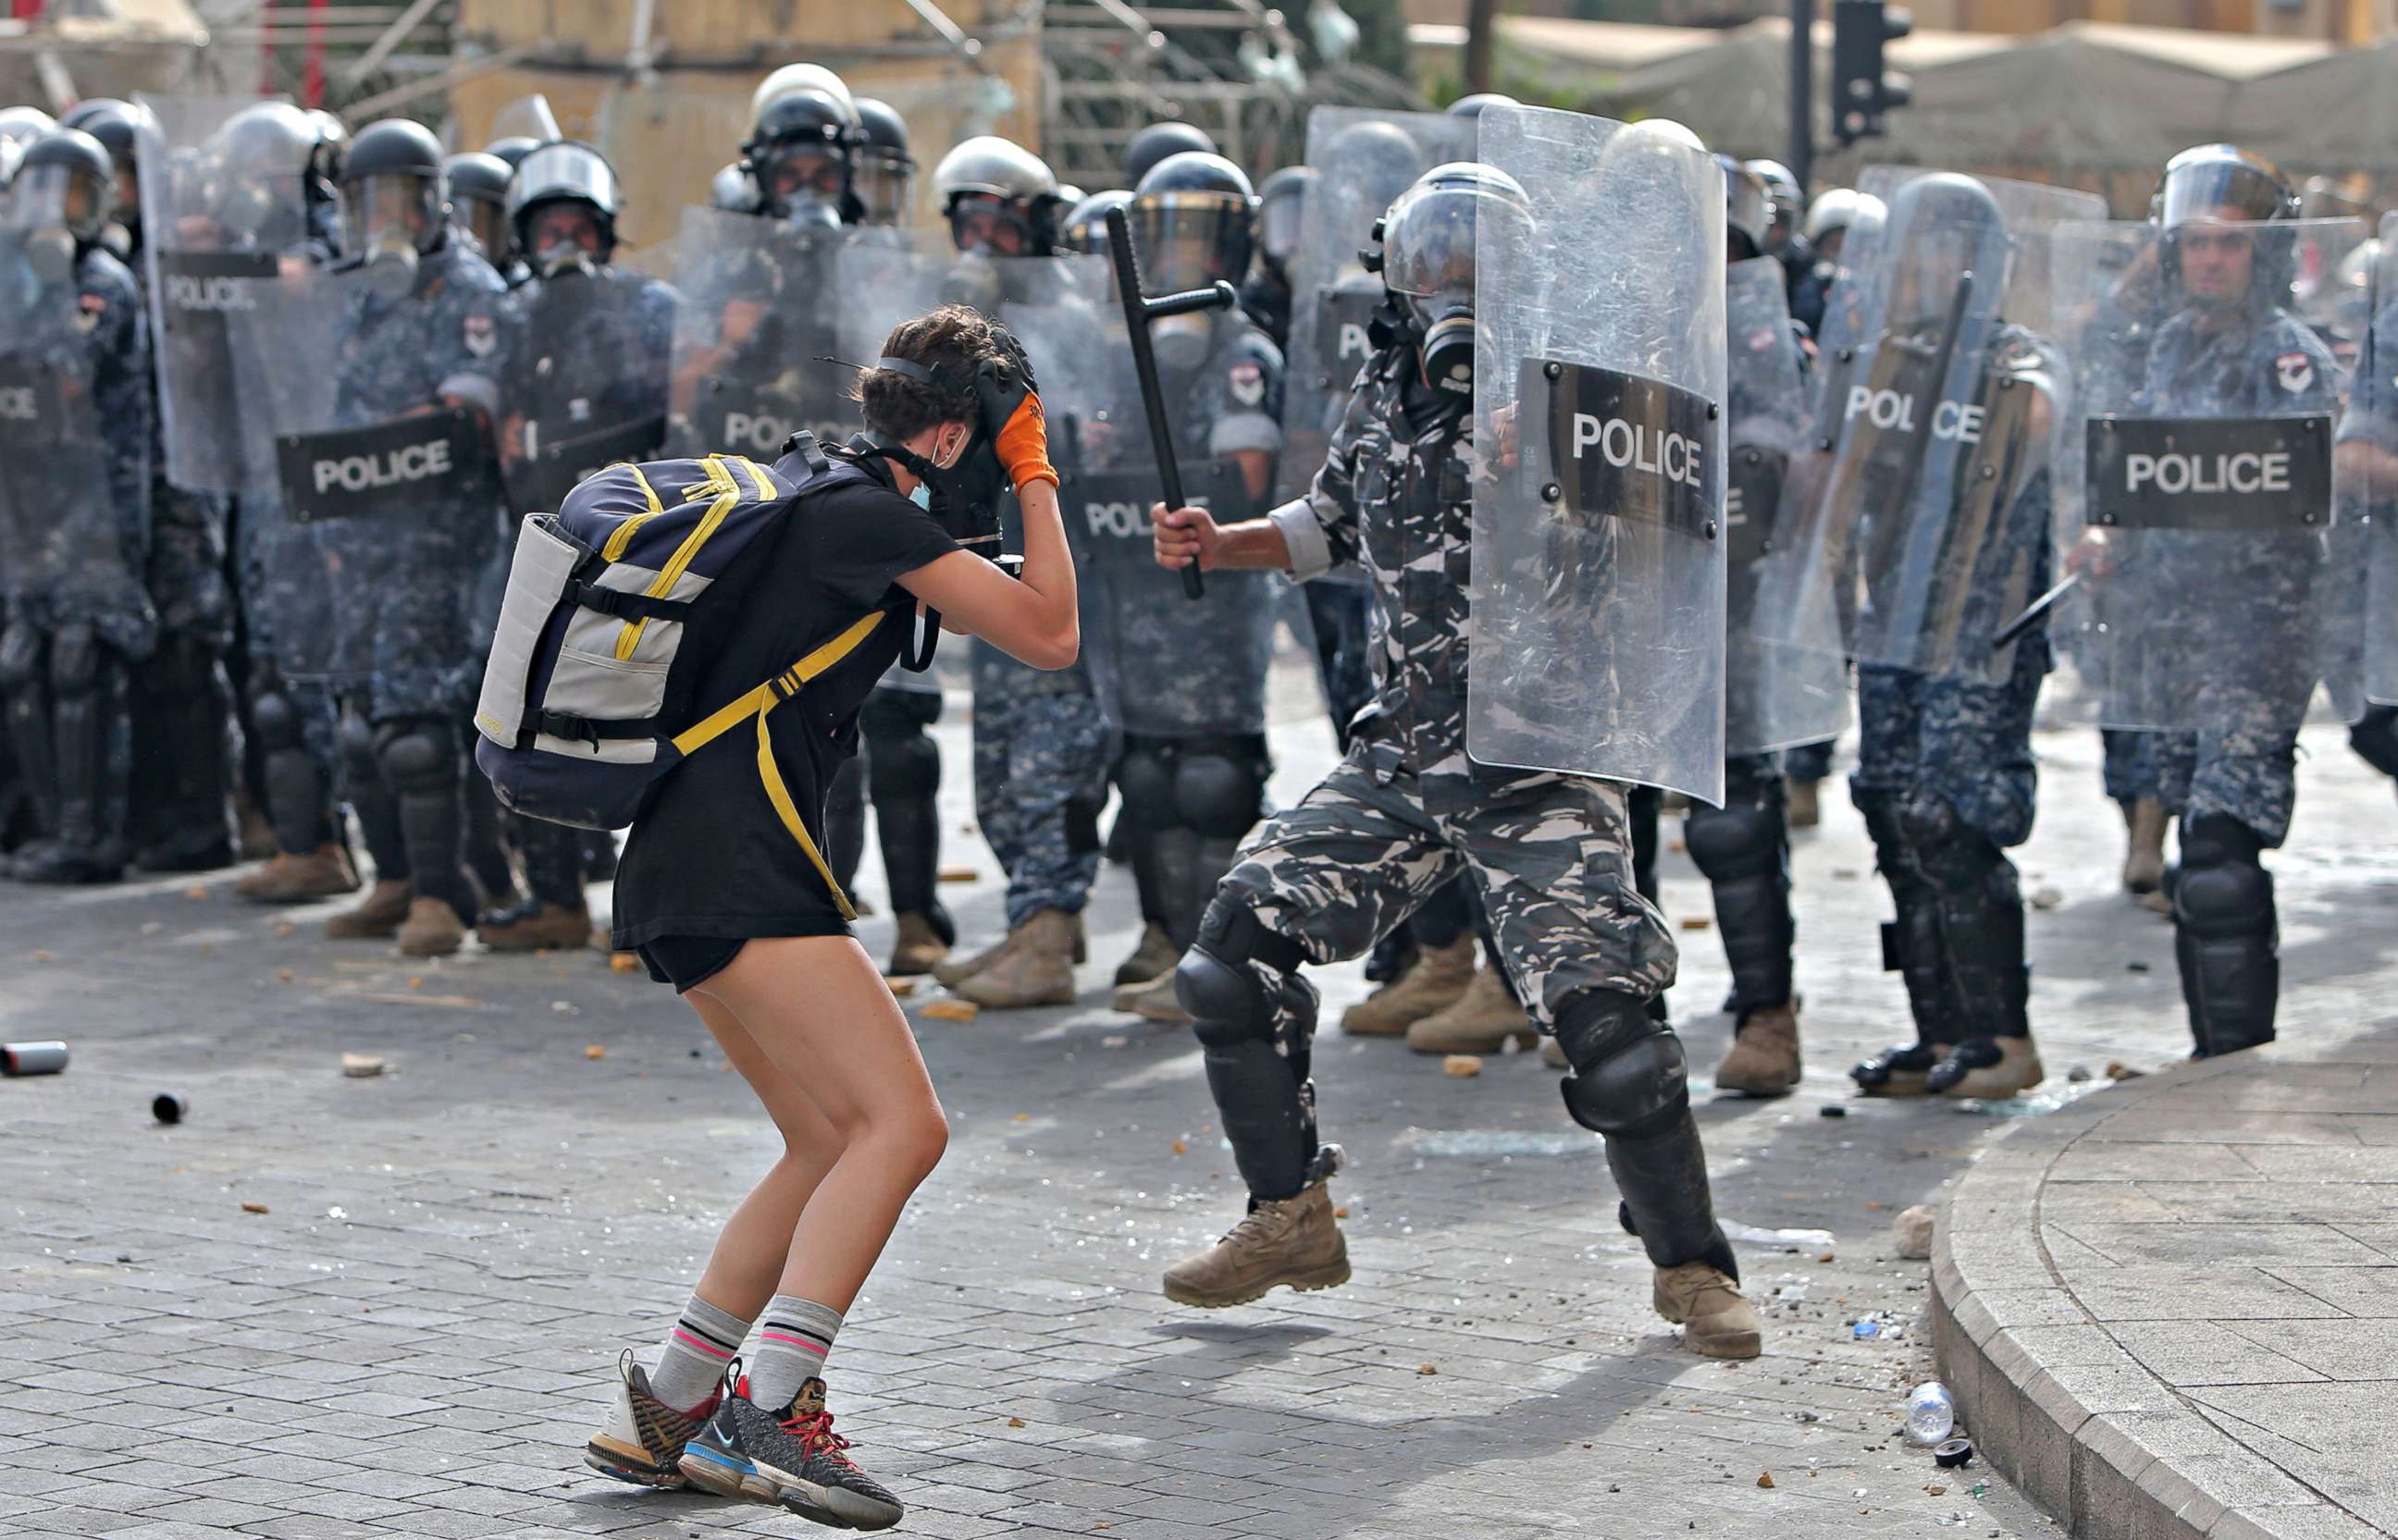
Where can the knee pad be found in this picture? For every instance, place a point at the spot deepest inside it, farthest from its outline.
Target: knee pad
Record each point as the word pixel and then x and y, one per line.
pixel 1735 841
pixel 1629 1074
pixel 75 659
pixel 897 712
pixel 417 755
pixel 275 721
pixel 1948 851
pixel 1229 1001
pixel 907 763
pixel 20 657
pixel 1145 775
pixel 356 738
pixel 1218 796
pixel 2223 890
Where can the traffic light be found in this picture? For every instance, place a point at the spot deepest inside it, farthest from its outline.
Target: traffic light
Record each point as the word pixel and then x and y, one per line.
pixel 1862 91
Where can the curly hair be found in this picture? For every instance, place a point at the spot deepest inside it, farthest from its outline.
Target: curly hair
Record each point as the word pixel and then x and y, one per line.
pixel 951 342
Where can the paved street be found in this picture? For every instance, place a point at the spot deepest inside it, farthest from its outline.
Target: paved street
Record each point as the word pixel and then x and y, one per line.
pixel 414 1334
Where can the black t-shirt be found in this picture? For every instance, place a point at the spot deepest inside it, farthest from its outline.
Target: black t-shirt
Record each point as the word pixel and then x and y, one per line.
pixel 709 856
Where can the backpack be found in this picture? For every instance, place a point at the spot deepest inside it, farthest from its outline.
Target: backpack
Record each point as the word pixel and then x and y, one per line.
pixel 587 697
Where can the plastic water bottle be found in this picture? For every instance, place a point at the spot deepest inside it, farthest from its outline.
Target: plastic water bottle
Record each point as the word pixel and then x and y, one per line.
pixel 1930 1414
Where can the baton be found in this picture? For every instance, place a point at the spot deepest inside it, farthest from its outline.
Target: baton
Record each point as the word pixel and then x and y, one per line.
pixel 2032 612
pixel 1138 314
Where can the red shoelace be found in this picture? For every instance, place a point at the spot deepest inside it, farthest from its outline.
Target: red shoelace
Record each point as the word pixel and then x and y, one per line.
pixel 816 1435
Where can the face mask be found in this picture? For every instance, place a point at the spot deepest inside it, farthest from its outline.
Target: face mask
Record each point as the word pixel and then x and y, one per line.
pixel 1181 342
pixel 923 496
pixel 51 254
pixel 391 272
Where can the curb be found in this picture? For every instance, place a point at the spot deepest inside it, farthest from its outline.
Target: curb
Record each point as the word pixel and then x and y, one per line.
pixel 2052 1401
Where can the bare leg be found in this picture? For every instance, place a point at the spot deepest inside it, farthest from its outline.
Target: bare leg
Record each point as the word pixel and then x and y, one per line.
pixel 827 1026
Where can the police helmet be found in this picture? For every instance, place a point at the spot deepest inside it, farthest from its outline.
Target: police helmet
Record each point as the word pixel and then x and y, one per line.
pixel 1281 198
pixel 1086 227
pixel 733 190
pixel 1426 258
pixel 565 171
pixel 2205 181
pixel 994 191
pixel 26 125
pixel 1834 211
pixel 1193 221
pixel 882 167
pixel 1159 139
pixel 1941 226
pixel 1748 205
pixel 118 124
pixel 265 158
pixel 512 148
pixel 1782 182
pixel 476 185
pixel 1376 161
pixel 812 80
pixel 66 181
pixel 799 152
pixel 392 188
pixel 1474 106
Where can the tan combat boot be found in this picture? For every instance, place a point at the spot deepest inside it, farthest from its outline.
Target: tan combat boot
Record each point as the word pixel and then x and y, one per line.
pixel 432 930
pixel 1292 1242
pixel 2144 857
pixel 324 872
pixel 1485 1019
pixel 549 927
pixel 1716 1321
pixel 916 949
pixel 1764 1057
pixel 1037 970
pixel 1801 804
pixel 1155 955
pixel 376 916
pixel 1433 980
pixel 1154 1002
pixel 955 969
pixel 1973 1070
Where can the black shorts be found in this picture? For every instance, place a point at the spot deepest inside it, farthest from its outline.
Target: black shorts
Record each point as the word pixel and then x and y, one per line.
pixel 685 961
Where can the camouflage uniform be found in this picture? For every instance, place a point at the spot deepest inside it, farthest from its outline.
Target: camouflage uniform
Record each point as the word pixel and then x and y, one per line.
pixel 1040 751
pixel 1404 811
pixel 71 640
pixel 400 738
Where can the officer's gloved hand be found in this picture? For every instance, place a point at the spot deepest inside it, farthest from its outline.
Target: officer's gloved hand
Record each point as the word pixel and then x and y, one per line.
pixel 1011 412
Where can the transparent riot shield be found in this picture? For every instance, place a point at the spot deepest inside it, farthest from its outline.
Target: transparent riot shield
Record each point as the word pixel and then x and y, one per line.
pixel 763 308
pixel 527 117
pixel 217 213
pixel 65 545
pixel 1598 540
pixel 1362 159
pixel 1925 526
pixel 583 381
pixel 387 495
pixel 1776 692
pixel 2359 615
pixel 2197 467
pixel 1162 665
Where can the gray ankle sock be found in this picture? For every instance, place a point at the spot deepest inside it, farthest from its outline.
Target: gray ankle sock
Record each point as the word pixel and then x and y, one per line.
pixel 794 1338
pixel 703 1340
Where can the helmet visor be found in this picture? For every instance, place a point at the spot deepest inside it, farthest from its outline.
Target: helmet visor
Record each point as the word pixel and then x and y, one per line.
pixel 1187 240
pixel 385 212
pixel 1278 227
pixel 54 197
pixel 2226 191
pixel 882 186
pixel 988 224
pixel 1428 244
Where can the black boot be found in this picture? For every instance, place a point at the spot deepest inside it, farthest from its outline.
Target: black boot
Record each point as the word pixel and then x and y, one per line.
pixel 90 726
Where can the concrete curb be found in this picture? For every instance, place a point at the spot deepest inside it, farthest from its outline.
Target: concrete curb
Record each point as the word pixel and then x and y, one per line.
pixel 2052 1400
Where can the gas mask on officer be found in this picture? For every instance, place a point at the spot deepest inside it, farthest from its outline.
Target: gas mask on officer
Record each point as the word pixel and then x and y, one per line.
pixel 802 185
pixel 57 212
pixel 391 223
pixel 1428 268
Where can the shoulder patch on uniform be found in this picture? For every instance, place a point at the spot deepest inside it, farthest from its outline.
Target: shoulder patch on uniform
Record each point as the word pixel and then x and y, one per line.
pixel 480 335
pixel 1248 382
pixel 2295 372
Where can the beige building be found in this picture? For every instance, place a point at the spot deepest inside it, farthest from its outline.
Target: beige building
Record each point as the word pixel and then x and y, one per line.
pixel 2332 20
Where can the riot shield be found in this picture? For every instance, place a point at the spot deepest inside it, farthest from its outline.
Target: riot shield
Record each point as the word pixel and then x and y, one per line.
pixel 1598 541
pixel 2196 466
pixel 2359 621
pixel 1776 692
pixel 64 548
pixel 761 306
pixel 583 384
pixel 2380 644
pixel 385 511
pixel 214 224
pixel 1362 159
pixel 526 117
pixel 1162 665
pixel 1922 534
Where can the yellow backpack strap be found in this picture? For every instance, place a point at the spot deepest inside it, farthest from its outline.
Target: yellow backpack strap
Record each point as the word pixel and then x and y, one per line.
pixel 760 703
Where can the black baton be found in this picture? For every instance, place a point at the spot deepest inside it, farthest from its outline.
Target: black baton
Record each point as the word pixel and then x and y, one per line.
pixel 1138 314
pixel 2032 612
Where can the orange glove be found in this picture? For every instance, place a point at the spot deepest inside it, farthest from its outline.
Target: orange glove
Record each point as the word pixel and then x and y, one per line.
pixel 1023 444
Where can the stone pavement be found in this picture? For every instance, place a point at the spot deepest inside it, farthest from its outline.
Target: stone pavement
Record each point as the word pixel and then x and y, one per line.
pixel 2173 1310
pixel 412 1337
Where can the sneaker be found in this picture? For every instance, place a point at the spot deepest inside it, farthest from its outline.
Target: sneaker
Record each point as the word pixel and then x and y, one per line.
pixel 792 1458
pixel 643 1438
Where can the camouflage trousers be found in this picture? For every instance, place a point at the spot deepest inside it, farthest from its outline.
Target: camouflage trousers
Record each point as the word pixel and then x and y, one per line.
pixel 1551 854
pixel 1964 741
pixel 2129 765
pixel 1040 778
pixel 2246 772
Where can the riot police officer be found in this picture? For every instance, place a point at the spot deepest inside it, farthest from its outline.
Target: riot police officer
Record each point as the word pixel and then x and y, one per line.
pixel 476 185
pixel 79 439
pixel 1406 810
pixel 424 337
pixel 1193 766
pixel 883 172
pixel 1157 141
pixel 1265 293
pixel 583 384
pixel 801 154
